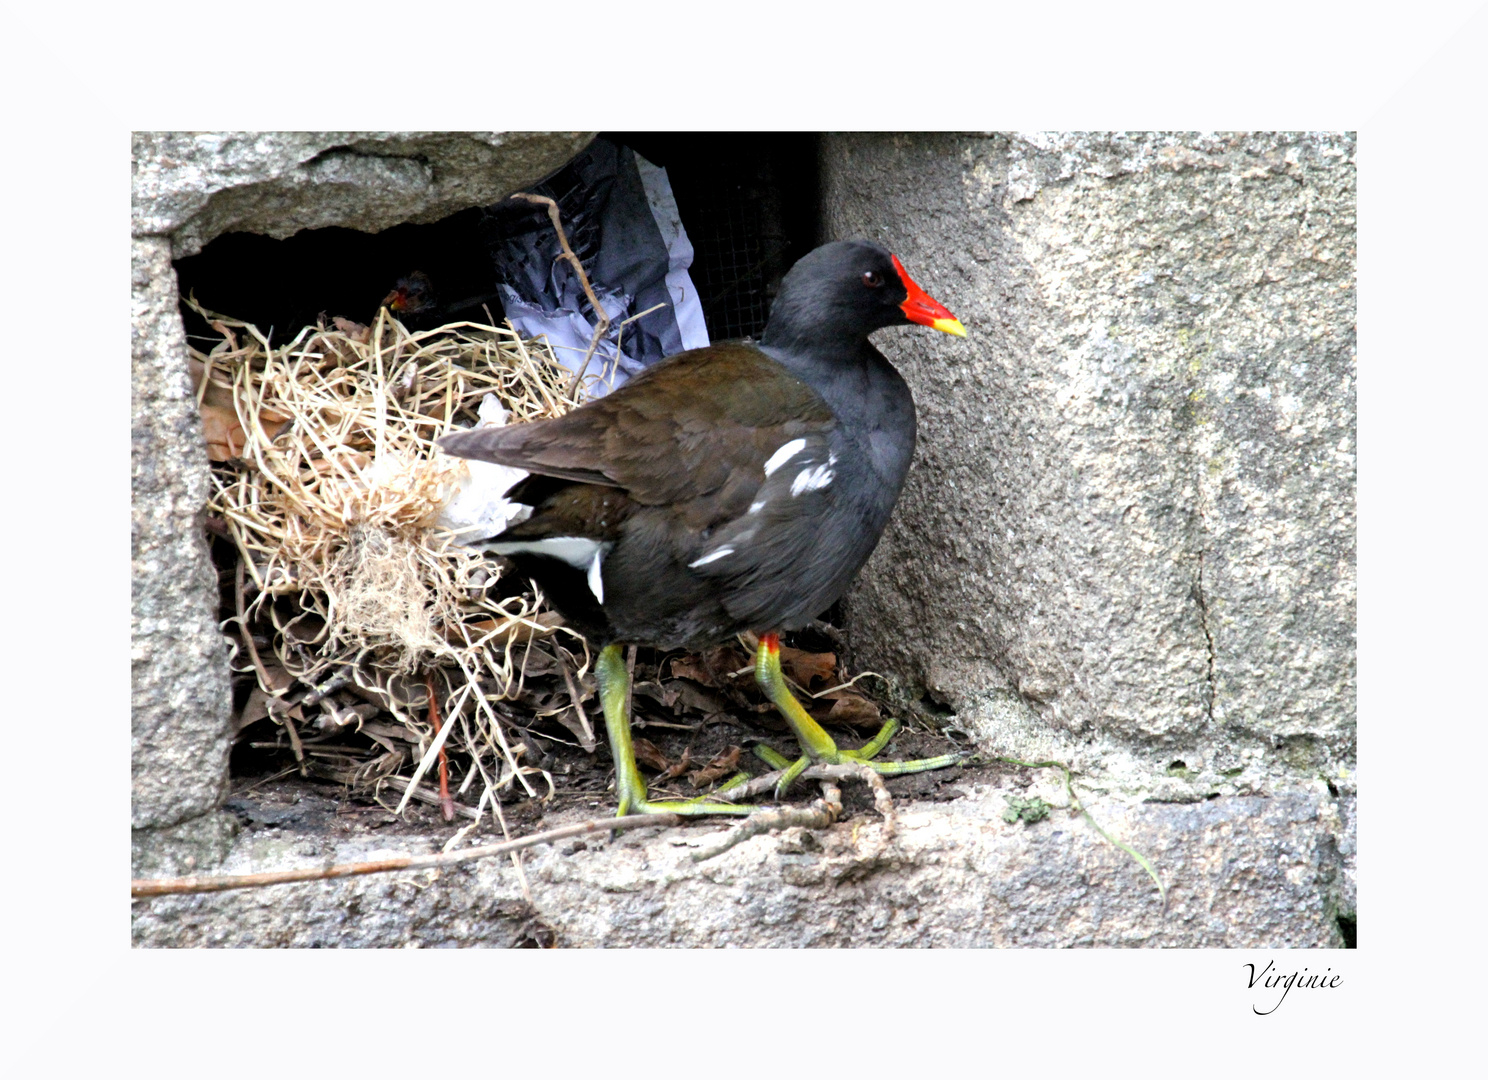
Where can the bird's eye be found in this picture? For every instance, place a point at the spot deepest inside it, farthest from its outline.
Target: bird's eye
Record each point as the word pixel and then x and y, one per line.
pixel 872 278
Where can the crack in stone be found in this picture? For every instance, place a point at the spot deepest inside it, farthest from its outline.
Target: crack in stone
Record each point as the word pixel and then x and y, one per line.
pixel 1203 605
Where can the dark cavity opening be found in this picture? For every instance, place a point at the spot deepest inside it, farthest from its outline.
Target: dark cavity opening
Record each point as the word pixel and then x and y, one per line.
pixel 1348 926
pixel 749 203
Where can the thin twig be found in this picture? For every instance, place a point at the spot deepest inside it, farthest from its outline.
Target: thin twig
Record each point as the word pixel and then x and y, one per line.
pixel 768 781
pixel 398 783
pixel 620 342
pixel 294 741
pixel 601 327
pixel 205 884
pixel 573 695
pixel 490 794
pixel 264 682
pixel 818 815
pixel 330 686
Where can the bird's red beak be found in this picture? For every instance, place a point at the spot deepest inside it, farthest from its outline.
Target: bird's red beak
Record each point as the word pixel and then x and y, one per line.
pixel 395 300
pixel 920 307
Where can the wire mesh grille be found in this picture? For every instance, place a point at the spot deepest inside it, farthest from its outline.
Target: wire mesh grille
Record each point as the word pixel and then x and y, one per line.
pixel 729 267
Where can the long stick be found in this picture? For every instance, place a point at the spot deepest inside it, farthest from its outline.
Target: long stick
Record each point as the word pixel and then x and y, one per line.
pixel 166 886
pixel 603 326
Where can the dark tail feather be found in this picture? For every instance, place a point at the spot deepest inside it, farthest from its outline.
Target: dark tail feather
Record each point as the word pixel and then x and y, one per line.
pixel 499 445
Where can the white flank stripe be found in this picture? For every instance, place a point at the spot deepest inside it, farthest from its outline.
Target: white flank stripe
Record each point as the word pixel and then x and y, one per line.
pixel 712 555
pixel 756 507
pixel 784 454
pixel 811 479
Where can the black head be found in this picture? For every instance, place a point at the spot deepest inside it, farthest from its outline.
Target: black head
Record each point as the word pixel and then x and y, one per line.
pixel 850 288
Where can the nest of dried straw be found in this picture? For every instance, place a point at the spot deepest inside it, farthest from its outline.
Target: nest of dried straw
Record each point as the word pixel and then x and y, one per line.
pixel 351 605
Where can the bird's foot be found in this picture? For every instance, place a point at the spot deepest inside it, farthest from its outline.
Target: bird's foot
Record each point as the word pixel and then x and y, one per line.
pixel 864 754
pixel 818 745
pixel 633 800
pixel 689 808
pixel 614 695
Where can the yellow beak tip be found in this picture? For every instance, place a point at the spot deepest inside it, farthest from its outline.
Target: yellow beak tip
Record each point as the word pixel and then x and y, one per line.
pixel 949 326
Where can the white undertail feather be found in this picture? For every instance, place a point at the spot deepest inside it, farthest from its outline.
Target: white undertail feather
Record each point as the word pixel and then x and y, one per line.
pixel 580 552
pixel 596 583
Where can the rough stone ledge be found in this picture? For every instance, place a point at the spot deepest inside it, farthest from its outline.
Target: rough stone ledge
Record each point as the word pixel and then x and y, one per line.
pixel 1241 872
pixel 194 186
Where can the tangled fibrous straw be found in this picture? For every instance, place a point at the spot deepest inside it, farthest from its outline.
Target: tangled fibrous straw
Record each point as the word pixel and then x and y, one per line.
pixel 332 499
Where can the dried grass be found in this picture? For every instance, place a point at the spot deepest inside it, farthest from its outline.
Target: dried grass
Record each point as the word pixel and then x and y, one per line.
pixel 328 483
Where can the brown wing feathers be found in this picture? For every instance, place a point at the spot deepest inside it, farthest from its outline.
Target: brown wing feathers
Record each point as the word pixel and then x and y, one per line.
pixel 667 441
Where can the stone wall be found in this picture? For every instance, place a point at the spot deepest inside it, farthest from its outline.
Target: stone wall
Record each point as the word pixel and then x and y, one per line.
pixel 1128 536
pixel 1127 542
pixel 187 189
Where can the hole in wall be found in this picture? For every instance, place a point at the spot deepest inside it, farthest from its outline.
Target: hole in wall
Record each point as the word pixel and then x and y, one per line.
pixel 1348 927
pixel 749 203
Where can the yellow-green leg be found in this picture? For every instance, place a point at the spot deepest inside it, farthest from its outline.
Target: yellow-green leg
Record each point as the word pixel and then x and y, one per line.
pixel 614 698
pixel 813 739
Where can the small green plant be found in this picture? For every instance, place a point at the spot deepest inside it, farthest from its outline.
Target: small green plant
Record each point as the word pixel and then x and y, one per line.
pixel 1025 810
pixel 1078 807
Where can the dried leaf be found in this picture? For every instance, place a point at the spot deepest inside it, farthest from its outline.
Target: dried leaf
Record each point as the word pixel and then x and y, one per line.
pixel 852 709
pixel 714 667
pixel 569 718
pixel 517 630
pixel 216 393
pixel 665 695
pixel 721 766
pixel 278 678
pixel 691 667
pixel 256 708
pixel 224 435
pixel 647 754
pixel 389 731
pixel 342 465
pixel 693 697
pixel 224 432
pixel 807 668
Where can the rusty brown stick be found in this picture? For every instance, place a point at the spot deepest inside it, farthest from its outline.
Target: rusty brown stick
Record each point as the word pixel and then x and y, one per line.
pixel 446 804
pixel 204 884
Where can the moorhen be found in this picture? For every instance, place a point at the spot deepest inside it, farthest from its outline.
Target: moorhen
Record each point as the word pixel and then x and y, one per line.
pixel 417 304
pixel 735 487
